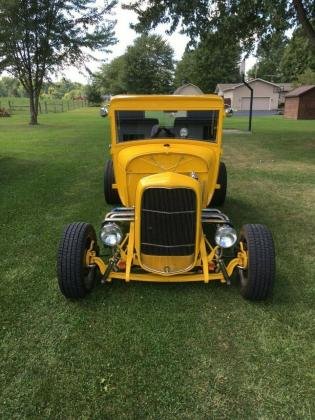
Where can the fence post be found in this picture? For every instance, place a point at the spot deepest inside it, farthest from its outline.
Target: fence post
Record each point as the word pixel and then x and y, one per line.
pixel 61 106
pixel 68 106
pixel 46 109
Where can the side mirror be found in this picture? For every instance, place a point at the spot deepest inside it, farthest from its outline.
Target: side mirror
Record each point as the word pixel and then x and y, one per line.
pixel 103 111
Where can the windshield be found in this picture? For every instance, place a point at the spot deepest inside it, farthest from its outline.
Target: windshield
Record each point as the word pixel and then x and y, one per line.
pixel 138 125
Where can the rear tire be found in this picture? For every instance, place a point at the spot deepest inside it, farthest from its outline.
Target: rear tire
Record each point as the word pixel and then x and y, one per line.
pixel 111 195
pixel 75 279
pixel 218 197
pixel 258 279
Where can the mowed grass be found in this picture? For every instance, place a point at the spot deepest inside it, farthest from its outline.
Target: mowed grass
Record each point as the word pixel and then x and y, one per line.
pixel 183 351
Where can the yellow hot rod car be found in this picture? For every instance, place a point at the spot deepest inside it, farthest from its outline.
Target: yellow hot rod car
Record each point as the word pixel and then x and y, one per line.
pixel 166 179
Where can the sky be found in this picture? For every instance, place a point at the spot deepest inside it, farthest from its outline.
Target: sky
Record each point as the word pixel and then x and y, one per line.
pixel 126 36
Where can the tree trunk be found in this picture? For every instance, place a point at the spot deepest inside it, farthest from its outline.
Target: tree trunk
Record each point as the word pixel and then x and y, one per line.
pixel 305 22
pixel 33 108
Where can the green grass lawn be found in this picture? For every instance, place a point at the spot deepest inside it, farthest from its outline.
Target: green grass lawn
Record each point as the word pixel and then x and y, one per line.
pixel 183 351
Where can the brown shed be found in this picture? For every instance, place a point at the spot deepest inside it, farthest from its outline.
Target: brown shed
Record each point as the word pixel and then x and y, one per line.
pixel 300 103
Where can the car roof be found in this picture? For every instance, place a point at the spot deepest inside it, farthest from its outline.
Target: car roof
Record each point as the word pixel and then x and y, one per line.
pixel 166 102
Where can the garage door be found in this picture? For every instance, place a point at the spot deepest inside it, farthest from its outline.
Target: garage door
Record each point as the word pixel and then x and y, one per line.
pixel 259 104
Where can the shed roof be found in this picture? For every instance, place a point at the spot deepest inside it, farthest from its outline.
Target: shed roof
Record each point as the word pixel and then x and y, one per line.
pixel 285 87
pixel 181 88
pixel 300 91
pixel 226 86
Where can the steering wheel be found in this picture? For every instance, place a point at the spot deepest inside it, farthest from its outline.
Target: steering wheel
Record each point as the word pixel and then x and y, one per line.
pixel 156 130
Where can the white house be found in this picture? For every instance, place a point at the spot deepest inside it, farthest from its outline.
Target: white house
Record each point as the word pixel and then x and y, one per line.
pixel 267 95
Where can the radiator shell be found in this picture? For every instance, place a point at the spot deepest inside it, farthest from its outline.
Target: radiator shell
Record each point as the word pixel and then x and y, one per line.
pixel 167 223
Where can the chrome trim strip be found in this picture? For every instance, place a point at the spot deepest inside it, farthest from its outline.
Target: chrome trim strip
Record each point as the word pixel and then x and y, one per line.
pixel 169 212
pixel 120 214
pixel 214 216
pixel 166 246
pixel 127 214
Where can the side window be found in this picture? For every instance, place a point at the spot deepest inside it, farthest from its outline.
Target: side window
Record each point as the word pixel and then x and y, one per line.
pixel 133 125
pixel 201 125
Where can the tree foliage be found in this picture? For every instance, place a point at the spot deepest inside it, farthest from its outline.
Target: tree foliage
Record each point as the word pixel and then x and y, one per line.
pixel 146 67
pixel 149 66
pixel 306 78
pixel 93 94
pixel 297 57
pixel 246 19
pixel 61 89
pixel 39 36
pixel 209 63
pixel 269 54
pixel 10 86
pixel 109 79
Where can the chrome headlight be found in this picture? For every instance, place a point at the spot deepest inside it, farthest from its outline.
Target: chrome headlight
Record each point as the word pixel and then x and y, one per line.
pixel 111 234
pixel 225 236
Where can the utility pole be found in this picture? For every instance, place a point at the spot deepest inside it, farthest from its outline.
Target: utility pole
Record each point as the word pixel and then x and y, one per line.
pixel 251 102
pixel 242 73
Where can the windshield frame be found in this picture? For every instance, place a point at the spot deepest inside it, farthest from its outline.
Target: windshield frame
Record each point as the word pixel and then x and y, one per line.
pixel 152 124
pixel 164 102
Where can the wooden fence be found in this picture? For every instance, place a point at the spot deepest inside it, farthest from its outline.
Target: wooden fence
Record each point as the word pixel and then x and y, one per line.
pixel 44 107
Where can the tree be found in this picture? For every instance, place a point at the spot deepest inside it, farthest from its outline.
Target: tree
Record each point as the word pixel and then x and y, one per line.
pixel 305 21
pixel 109 79
pixel 10 86
pixel 306 78
pixel 149 66
pixel 186 71
pixel 269 55
pixel 211 62
pixel 248 20
pixel 93 94
pixel 74 94
pixel 297 57
pixel 64 86
pixel 61 88
pixel 39 36
pixel 146 67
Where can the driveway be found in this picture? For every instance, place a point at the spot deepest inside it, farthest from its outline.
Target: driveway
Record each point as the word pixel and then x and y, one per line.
pixel 255 113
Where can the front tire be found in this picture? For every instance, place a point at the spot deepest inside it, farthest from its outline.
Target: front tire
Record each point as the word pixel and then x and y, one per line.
pixel 111 195
pixel 218 197
pixel 258 279
pixel 75 279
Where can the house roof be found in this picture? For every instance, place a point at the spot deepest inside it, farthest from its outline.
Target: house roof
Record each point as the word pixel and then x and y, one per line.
pixel 180 89
pixel 229 86
pixel 286 87
pixel 226 86
pixel 300 91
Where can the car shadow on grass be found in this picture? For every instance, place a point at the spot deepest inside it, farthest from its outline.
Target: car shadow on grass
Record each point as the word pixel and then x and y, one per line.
pixel 242 212
pixel 164 296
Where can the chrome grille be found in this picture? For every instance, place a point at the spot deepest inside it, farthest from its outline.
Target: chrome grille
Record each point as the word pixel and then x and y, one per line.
pixel 168 222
